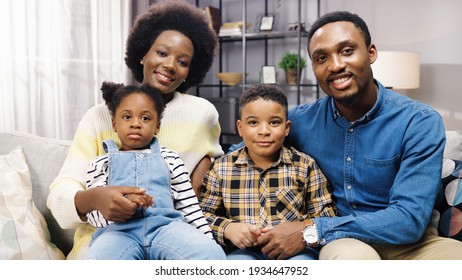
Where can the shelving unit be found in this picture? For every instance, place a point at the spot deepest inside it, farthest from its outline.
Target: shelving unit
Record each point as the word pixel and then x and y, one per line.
pixel 224 101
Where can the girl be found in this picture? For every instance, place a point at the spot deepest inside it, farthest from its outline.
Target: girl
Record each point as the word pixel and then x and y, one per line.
pixel 157 230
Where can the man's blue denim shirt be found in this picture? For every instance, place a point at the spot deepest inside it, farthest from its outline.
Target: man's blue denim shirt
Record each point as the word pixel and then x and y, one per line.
pixel 385 168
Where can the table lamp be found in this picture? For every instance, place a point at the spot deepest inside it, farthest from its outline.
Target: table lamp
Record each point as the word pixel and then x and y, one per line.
pixel 397 70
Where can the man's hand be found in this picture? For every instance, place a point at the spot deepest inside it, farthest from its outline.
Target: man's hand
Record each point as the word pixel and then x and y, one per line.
pixel 241 234
pixel 283 241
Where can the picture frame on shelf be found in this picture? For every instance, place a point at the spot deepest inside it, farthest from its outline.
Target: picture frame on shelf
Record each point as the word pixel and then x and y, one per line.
pixel 267 22
pixel 268 74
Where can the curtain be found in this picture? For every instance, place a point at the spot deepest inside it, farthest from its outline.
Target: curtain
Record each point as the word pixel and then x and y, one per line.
pixel 54 56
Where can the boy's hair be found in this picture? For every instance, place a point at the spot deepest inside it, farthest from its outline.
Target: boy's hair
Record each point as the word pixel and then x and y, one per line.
pixel 179 16
pixel 265 92
pixel 340 16
pixel 113 94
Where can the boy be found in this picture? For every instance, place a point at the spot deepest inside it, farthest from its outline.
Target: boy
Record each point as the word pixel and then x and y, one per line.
pixel 250 191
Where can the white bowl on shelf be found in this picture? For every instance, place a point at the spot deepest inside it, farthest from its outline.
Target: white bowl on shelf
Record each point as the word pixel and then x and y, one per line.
pixel 230 78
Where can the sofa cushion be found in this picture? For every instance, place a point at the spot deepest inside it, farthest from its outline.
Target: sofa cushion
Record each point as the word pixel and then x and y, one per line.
pixel 453 149
pixel 44 157
pixel 23 230
pixel 449 202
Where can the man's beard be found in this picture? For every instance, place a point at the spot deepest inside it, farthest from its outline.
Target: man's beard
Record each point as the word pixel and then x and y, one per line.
pixel 346 100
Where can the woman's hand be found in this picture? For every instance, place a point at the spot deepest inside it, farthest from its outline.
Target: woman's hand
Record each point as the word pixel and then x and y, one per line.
pixel 109 200
pixel 199 172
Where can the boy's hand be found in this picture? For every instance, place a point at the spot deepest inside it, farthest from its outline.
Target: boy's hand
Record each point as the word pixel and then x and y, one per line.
pixel 142 200
pixel 241 234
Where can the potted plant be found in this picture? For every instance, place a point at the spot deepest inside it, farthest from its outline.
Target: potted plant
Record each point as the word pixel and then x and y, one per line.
pixel 289 63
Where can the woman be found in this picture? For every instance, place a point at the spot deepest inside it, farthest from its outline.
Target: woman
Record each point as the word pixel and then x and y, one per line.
pixel 171 48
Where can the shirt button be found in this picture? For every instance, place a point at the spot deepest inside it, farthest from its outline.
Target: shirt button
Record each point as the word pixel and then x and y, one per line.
pixel 348 159
pixel 349 187
pixel 354 206
pixel 141 156
pixel 350 130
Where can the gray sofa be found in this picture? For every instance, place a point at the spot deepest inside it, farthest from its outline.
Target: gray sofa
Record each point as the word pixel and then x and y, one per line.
pixel 45 157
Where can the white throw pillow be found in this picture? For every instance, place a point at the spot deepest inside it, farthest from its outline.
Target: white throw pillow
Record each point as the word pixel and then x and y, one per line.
pixel 23 230
pixel 453 149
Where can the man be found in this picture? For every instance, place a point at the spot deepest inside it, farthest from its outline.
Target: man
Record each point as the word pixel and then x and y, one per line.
pixel 381 151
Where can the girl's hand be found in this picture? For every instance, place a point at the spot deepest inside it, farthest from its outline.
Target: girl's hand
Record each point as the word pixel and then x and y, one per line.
pixel 142 200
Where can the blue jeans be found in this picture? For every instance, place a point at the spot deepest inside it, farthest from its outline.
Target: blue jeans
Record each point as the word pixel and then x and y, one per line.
pixel 155 233
pixel 174 241
pixel 252 254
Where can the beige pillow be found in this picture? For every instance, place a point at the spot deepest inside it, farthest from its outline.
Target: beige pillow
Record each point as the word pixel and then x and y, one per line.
pixel 453 149
pixel 23 230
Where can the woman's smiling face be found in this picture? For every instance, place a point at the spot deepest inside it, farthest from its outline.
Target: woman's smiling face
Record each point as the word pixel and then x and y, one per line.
pixel 166 65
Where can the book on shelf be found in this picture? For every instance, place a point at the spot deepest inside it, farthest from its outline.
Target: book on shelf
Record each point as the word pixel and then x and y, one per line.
pixel 230 31
pixel 214 17
pixel 233 24
pixel 232 28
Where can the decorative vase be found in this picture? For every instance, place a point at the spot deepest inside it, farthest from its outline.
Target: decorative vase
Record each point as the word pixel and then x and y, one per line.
pixel 291 76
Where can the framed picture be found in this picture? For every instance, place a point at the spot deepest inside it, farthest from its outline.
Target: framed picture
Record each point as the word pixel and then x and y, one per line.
pixel 266 23
pixel 268 74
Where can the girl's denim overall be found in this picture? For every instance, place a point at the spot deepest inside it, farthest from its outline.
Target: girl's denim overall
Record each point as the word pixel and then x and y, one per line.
pixel 157 232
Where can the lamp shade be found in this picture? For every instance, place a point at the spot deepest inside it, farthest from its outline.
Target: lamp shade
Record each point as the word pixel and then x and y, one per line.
pixel 397 70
